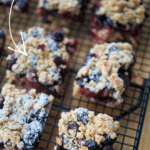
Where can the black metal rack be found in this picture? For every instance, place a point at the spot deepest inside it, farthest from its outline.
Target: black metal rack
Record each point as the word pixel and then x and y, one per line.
pixel 131 113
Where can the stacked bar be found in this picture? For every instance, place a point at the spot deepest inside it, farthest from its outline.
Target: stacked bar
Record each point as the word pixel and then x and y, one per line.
pixel 22 117
pixel 116 20
pixel 69 10
pixel 2 41
pixel 47 63
pixel 18 5
pixel 106 73
pixel 81 129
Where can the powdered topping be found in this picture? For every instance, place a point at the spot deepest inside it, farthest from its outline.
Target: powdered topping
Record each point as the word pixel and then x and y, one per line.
pixel 82 129
pixel 125 12
pixel 105 67
pixel 20 116
pixel 47 57
pixel 72 6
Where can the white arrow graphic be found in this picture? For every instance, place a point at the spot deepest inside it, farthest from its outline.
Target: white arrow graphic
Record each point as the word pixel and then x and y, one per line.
pixel 25 53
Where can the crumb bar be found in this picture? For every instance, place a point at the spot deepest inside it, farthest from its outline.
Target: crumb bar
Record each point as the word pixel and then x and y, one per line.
pixel 106 73
pixel 19 5
pixel 69 10
pixel 116 20
pixel 47 62
pixel 22 117
pixel 2 41
pixel 81 129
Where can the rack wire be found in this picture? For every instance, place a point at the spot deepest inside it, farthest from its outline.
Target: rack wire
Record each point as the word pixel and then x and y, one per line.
pixel 131 113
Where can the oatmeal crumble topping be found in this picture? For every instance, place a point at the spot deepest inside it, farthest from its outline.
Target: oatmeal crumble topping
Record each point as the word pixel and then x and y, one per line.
pixel 48 57
pixel 84 125
pixel 18 107
pixel 72 6
pixel 125 12
pixel 105 68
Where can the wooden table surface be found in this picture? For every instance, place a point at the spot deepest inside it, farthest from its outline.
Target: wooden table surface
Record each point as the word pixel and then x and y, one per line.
pixel 129 124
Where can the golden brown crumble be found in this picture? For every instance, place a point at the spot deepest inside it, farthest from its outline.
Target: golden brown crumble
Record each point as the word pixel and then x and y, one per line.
pixel 12 127
pixel 125 12
pixel 95 128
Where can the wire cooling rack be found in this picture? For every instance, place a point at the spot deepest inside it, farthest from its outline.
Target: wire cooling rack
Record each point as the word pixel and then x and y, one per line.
pixel 131 113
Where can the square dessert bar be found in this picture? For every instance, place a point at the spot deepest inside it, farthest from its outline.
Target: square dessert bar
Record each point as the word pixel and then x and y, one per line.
pixel 106 73
pixel 81 129
pixel 22 117
pixel 70 10
pixel 47 62
pixel 19 5
pixel 116 20
pixel 2 41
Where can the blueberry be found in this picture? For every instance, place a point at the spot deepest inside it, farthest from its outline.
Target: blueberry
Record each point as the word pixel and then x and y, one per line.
pixel 1 145
pixel 52 44
pixel 101 17
pixel 25 119
pixel 53 91
pixel 72 125
pixel 91 144
pixel 11 62
pixel 114 49
pixel 108 147
pixel 107 140
pixel 95 76
pixel 66 141
pixel 134 28
pixel 121 26
pixel 37 116
pixel 57 36
pixel 123 95
pixel 1 101
pixel 32 115
pixel 2 34
pixel 44 98
pixel 32 75
pixel 21 4
pixel 82 81
pixel 30 138
pixel 58 60
pixel 82 115
pixel 34 58
pixel 36 33
pixel 36 126
pixel 88 57
pixel 21 74
pixel 109 22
